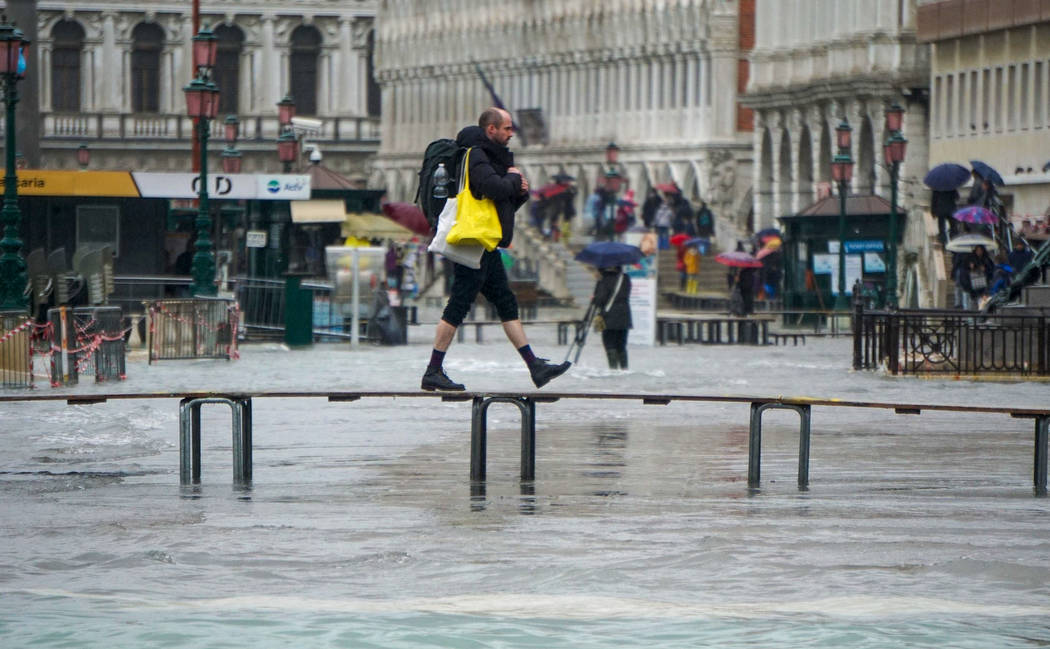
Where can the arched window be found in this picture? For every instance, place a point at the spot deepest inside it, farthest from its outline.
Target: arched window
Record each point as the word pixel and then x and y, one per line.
pixel 306 48
pixel 68 37
pixel 147 42
pixel 227 71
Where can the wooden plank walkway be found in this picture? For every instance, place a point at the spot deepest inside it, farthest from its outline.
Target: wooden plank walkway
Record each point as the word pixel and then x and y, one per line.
pixel 241 404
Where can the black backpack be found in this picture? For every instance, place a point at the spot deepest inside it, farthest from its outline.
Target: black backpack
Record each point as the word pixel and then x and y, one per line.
pixel 439 151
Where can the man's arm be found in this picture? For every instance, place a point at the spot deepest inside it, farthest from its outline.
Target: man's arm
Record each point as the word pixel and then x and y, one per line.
pixel 485 181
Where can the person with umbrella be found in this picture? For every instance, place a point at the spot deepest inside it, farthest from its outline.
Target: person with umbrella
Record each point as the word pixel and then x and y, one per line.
pixel 612 296
pixel 973 274
pixel 610 299
pixel 741 278
pixel 944 181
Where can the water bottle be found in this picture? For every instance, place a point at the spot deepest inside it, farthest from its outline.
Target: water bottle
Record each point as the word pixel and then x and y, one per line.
pixel 441 182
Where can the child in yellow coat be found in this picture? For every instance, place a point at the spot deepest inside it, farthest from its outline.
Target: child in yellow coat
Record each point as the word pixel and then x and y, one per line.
pixel 691 260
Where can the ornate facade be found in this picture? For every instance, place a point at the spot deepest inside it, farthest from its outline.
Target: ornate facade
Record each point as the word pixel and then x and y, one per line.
pixel 110 75
pixel 659 79
pixel 816 62
pixel 990 94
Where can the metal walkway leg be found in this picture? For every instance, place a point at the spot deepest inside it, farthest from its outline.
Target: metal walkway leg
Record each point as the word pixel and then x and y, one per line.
pixel 190 438
pixel 1042 424
pixel 479 435
pixel 754 445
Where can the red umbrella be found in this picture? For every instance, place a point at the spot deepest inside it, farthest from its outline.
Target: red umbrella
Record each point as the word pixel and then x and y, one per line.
pixel 408 215
pixel 738 259
pixel 679 239
pixel 551 189
pixel 669 188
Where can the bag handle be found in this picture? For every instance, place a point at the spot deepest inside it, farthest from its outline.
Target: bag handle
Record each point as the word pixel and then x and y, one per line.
pixel 464 177
pixel 616 290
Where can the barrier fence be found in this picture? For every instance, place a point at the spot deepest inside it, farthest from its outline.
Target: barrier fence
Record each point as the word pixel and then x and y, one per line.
pixel 16 332
pixel 85 340
pixel 951 342
pixel 192 328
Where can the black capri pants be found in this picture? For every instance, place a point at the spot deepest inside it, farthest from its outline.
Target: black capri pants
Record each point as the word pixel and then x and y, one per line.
pixel 490 280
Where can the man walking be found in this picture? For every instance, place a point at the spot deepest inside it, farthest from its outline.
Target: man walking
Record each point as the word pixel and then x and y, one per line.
pixel 494 176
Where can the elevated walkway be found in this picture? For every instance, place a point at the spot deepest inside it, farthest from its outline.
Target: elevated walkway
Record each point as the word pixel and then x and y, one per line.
pixel 241 405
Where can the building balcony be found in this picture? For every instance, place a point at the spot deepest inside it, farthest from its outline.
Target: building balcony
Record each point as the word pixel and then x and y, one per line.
pixel 173 128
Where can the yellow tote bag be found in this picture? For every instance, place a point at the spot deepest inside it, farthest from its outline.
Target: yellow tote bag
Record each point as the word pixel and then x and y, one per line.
pixel 476 220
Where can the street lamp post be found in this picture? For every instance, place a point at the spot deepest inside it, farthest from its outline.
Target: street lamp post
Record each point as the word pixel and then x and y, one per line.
pixel 842 173
pixel 202 103
pixel 13 278
pixel 894 149
pixel 287 142
pixel 83 156
pixel 287 149
pixel 231 157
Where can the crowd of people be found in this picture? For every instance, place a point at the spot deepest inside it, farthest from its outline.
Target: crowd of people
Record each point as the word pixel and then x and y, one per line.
pixel 977 272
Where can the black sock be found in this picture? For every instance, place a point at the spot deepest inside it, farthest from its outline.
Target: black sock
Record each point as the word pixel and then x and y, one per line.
pixel 527 355
pixel 436 359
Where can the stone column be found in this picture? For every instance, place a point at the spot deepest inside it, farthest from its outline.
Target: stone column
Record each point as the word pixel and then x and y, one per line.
pixel 270 79
pixel 348 84
pixel 43 56
pixel 111 91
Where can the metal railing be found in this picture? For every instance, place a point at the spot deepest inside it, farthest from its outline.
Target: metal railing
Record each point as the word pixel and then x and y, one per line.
pixel 951 342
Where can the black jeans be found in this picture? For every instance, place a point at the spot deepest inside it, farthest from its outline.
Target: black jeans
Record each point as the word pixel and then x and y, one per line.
pixel 490 280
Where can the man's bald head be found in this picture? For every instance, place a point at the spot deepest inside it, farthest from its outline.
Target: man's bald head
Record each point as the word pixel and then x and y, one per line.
pixel 497 125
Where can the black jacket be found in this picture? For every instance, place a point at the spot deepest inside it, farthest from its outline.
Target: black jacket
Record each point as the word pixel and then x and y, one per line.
pixel 619 314
pixel 489 178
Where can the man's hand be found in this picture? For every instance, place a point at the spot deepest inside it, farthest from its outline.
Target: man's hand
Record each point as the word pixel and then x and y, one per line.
pixel 524 181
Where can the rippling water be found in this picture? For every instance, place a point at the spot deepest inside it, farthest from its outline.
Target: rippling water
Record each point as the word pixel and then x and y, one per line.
pixel 362 529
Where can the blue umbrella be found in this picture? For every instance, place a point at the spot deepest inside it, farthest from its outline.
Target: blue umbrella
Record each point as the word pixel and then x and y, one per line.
pixel 701 243
pixel 946 177
pixel 986 172
pixel 607 254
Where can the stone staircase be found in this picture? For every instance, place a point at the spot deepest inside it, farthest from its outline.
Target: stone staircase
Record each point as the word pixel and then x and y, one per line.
pixel 560 274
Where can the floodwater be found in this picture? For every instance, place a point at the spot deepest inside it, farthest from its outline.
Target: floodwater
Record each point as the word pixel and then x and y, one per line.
pixel 361 528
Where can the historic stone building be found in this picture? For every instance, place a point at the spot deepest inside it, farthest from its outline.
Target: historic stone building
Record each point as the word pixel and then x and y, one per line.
pixel 816 62
pixel 110 76
pixel 990 97
pixel 660 79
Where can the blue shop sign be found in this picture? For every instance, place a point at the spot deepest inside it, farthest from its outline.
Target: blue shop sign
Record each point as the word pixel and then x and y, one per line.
pixel 864 246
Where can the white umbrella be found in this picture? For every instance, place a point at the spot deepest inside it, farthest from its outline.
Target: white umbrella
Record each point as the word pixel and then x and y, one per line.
pixel 967 242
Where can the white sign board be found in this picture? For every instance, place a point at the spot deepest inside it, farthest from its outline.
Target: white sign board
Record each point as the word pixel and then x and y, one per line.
pixel 854 271
pixel 223 186
pixel 643 311
pixel 255 239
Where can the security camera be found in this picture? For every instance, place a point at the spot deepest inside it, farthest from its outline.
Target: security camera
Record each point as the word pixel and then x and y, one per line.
pixel 306 124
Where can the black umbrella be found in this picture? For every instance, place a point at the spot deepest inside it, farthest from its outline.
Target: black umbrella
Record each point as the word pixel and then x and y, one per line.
pixel 986 172
pixel 946 177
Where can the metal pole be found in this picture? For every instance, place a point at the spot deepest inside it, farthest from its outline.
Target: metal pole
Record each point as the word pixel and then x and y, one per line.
pixel 355 298
pixel 840 299
pixel 13 278
pixel 891 263
pixel 203 260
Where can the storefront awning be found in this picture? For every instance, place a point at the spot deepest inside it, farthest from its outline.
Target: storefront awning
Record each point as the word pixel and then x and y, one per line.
pixel 318 211
pixel 374 226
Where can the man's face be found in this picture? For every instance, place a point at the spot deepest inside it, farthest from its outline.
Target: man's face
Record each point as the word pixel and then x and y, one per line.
pixel 501 134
